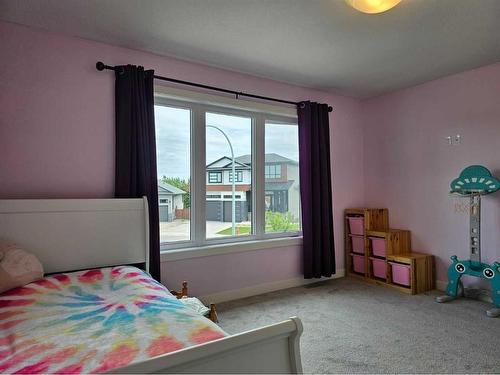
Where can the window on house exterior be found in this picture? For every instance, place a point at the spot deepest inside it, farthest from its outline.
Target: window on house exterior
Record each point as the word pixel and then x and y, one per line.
pixel 272 171
pixel 239 176
pixel 215 177
pixel 194 158
pixel 282 195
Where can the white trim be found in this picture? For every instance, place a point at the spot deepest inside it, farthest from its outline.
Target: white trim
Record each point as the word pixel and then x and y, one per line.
pixel 228 248
pixel 222 101
pixel 254 290
pixel 198 176
pixel 226 240
pixel 258 162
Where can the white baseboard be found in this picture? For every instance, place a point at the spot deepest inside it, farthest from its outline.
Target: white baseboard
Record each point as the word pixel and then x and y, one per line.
pixel 254 290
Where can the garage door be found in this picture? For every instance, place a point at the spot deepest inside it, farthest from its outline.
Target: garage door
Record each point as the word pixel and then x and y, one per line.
pixel 214 212
pixel 164 213
pixel 241 211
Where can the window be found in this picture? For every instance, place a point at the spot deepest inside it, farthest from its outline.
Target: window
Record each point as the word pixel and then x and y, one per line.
pixel 239 176
pixel 197 145
pixel 173 159
pixel 282 196
pixel 215 177
pixel 272 171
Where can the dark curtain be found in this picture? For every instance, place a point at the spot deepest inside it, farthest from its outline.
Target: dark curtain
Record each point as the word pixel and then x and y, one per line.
pixel 316 190
pixel 135 169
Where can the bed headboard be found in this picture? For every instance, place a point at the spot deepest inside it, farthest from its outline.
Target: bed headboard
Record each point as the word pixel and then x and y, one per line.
pixel 73 234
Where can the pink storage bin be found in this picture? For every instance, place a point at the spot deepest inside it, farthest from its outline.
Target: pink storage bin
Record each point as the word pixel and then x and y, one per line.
pixel 358 263
pixel 358 244
pixel 378 266
pixel 378 246
pixel 356 225
pixel 401 273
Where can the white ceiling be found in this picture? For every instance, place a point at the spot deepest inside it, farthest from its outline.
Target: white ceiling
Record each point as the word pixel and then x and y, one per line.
pixel 323 44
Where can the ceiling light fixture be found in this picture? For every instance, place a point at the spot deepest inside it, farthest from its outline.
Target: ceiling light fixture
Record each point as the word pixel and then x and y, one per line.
pixel 373 6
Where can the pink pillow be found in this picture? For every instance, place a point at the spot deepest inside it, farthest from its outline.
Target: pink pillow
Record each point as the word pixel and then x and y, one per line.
pixel 17 267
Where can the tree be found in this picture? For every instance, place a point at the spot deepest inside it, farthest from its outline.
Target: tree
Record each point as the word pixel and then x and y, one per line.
pixel 280 222
pixel 180 184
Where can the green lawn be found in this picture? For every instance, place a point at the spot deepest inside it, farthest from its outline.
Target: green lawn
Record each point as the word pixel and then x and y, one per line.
pixel 245 229
pixel 240 229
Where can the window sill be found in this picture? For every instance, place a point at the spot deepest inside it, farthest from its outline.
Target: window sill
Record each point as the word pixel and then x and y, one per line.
pixel 231 248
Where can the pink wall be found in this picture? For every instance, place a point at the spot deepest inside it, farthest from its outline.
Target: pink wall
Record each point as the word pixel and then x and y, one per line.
pixel 235 271
pixel 57 136
pixel 409 165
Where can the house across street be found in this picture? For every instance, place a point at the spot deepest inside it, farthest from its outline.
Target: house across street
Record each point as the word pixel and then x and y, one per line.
pixel 169 199
pixel 281 195
pixel 281 187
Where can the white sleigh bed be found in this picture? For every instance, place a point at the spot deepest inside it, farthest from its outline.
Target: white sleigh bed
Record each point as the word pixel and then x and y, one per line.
pixel 70 234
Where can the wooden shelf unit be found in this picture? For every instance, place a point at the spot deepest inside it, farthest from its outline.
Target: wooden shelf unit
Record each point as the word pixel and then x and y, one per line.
pixel 398 249
pixel 422 271
pixel 374 219
pixel 398 241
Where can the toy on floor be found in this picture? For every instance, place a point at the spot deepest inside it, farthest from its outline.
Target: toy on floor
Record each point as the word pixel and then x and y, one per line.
pixel 473 182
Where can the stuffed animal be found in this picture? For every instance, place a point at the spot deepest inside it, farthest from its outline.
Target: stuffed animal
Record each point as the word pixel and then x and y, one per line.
pixel 18 267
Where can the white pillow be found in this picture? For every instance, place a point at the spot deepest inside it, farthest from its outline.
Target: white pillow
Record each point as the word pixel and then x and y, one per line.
pixel 18 267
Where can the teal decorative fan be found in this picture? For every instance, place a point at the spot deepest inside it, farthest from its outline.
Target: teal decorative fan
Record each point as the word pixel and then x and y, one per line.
pixel 475 179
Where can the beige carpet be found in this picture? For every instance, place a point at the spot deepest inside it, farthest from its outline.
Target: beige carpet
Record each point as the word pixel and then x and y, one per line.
pixel 354 327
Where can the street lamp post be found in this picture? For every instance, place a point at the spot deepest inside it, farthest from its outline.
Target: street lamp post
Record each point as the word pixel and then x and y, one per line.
pixel 233 179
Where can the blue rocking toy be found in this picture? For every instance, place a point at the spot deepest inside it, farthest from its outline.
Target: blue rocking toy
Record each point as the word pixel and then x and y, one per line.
pixel 473 182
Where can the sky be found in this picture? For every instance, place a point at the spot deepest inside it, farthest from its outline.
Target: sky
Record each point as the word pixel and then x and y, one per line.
pixel 173 139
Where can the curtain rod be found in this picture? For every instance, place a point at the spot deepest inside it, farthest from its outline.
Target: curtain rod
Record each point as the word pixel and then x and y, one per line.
pixel 101 66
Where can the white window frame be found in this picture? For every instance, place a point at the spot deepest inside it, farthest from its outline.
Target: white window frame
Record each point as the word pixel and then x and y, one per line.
pixel 199 173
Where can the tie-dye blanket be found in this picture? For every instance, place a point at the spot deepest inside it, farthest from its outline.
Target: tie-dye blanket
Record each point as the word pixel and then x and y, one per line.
pixel 93 321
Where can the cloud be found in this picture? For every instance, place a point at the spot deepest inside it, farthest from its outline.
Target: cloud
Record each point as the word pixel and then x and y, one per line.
pixel 283 140
pixel 173 139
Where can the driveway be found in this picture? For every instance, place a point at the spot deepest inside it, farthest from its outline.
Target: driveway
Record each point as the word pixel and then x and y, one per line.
pixel 178 230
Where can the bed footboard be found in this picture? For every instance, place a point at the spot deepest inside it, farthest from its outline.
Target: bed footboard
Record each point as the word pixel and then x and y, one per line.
pixel 269 349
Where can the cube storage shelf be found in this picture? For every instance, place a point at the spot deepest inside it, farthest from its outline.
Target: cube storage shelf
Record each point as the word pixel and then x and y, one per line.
pixel 357 222
pixel 387 258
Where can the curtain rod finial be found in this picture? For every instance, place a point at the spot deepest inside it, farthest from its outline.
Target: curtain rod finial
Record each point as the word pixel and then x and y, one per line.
pixel 302 105
pixel 99 65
